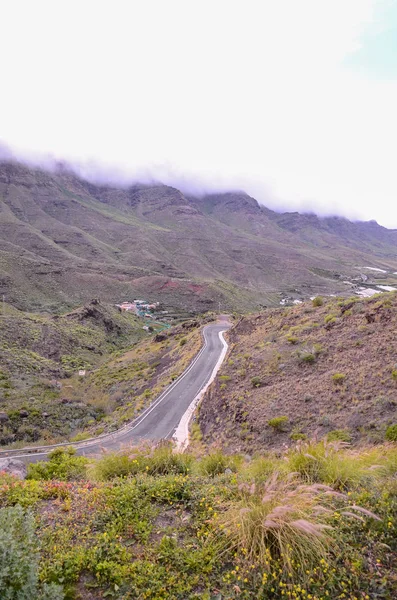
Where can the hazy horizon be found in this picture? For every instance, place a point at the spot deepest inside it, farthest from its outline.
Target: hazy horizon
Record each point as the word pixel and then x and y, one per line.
pixel 113 177
pixel 293 103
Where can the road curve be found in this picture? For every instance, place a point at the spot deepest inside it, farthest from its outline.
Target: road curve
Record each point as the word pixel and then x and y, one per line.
pixel 161 418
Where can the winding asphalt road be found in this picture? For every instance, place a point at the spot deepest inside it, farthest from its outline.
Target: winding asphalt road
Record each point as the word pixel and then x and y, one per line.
pixel 161 418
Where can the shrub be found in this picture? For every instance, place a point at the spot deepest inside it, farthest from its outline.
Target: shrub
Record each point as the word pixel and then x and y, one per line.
pixel 323 462
pixel 183 342
pixel 391 433
pixel 161 460
pixel 195 432
pixel 338 378
pixel 62 464
pixel 164 461
pixel 19 559
pixel 292 340
pixel 340 435
pixel 215 464
pixel 298 435
pixel 278 423
pixel 394 374
pixel 307 357
pixel 116 465
pixel 330 319
pixel 256 381
pixel 80 437
pixel 278 521
pixel 318 301
pixel 262 467
pixel 317 349
pixel 309 354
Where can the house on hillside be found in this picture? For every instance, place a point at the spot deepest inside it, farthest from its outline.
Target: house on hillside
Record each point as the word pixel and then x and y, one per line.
pixel 127 306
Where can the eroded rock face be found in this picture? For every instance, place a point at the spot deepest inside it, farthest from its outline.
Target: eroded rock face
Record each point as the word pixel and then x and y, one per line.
pixel 13 467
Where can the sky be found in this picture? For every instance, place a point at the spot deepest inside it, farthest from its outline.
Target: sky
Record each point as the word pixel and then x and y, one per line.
pixel 292 101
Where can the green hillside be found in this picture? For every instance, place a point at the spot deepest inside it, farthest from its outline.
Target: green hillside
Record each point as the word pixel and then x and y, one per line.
pixel 64 240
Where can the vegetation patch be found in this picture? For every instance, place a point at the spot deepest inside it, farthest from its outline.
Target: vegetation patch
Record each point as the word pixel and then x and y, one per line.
pixel 77 375
pixel 317 521
pixel 278 423
pixel 391 433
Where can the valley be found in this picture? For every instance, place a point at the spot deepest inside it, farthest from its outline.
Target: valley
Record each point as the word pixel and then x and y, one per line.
pixel 111 331
pixel 65 240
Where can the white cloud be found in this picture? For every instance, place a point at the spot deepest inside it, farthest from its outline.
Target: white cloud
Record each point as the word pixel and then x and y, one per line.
pixel 250 94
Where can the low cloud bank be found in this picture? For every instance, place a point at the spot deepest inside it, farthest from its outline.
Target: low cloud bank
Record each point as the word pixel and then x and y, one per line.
pixel 193 184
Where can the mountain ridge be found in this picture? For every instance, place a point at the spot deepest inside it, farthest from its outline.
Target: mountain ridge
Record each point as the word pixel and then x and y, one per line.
pixel 71 239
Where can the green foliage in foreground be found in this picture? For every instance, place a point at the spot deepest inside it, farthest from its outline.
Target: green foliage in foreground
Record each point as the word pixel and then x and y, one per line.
pixel 63 465
pixel 19 559
pixel 318 522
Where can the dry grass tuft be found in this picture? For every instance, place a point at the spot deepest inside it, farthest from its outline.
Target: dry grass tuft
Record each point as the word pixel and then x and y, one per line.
pixel 331 463
pixel 279 520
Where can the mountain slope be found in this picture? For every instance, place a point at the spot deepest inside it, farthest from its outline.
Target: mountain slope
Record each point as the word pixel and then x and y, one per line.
pixel 322 369
pixel 64 240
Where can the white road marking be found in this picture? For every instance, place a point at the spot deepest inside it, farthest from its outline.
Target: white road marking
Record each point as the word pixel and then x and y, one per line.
pixel 181 435
pixel 129 426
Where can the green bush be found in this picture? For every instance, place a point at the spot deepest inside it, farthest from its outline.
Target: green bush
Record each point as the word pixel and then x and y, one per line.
pixel 330 319
pixel 292 339
pixel 307 357
pixel 183 342
pixel 338 378
pixel 309 354
pixel 19 559
pixel 215 464
pixel 317 349
pixel 298 435
pixel 62 464
pixel 394 374
pixel 326 462
pixel 158 461
pixel 164 461
pixel 278 423
pixel 117 465
pixel 340 435
pixel 318 301
pixel 391 433
pixel 256 381
pixel 83 435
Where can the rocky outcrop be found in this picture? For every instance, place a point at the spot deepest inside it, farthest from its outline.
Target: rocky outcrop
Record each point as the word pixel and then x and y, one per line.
pixel 12 466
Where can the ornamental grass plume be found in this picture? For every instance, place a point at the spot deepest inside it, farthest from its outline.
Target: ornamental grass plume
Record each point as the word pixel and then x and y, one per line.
pixel 282 520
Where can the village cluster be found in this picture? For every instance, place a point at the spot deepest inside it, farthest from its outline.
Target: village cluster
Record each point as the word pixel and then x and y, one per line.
pixel 139 307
